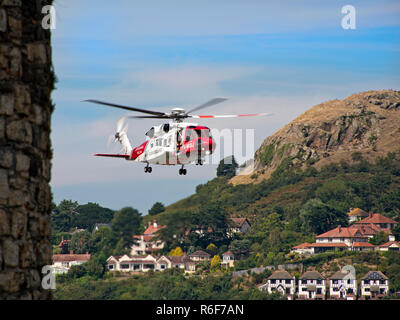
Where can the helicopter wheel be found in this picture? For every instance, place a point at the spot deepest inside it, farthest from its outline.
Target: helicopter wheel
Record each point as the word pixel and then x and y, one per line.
pixel 182 171
pixel 148 169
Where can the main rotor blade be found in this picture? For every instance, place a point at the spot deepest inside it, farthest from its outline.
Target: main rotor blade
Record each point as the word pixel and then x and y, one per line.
pixel 230 115
pixel 207 104
pixel 126 107
pixel 150 117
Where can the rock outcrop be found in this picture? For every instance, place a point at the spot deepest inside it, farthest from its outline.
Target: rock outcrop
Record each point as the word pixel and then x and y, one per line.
pixel 367 123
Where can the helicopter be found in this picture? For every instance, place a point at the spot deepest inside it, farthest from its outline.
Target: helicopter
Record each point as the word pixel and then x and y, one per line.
pixel 172 143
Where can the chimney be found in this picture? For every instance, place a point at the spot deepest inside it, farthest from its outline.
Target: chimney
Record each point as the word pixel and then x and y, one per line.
pixel 155 223
pixel 149 223
pixel 71 251
pixel 340 228
pixel 370 214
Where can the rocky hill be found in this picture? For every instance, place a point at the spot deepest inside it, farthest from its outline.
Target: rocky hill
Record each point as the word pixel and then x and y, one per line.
pixel 366 123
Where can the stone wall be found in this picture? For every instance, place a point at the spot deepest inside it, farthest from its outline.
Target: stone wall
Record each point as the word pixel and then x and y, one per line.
pixel 26 82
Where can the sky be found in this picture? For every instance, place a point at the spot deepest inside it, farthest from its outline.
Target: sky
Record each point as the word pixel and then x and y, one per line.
pixel 280 57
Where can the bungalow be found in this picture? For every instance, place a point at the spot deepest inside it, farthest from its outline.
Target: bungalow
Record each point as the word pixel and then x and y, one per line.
pixel 390 246
pixel 62 262
pixel 362 246
pixel 281 281
pixel 199 256
pixel 374 285
pixel 343 286
pixel 126 263
pixel 312 286
pixel 303 248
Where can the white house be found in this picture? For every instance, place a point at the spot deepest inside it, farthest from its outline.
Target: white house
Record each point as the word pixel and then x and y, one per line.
pixel 312 285
pixel 228 259
pixel 62 262
pixel 343 286
pixel 200 255
pixel 303 248
pixel 374 285
pixel 146 263
pixel 282 281
pixel 390 246
pixel 146 242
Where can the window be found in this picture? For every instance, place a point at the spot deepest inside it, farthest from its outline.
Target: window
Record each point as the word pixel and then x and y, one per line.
pixel 273 281
pixel 124 266
pixel 288 281
pixel 110 266
pixel 163 266
pixel 319 281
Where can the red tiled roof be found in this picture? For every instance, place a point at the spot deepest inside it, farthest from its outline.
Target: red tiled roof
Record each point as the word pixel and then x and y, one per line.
pixel 146 237
pixel 388 244
pixel 229 252
pixel 341 232
pixel 304 245
pixel 152 230
pixel 376 218
pixel 363 245
pixel 70 257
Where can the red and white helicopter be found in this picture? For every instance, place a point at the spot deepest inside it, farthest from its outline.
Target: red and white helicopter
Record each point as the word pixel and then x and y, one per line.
pixel 172 143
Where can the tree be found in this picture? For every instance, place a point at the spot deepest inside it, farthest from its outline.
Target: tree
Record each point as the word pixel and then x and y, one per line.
pixel 379 238
pixel 90 214
pixel 227 167
pixel 157 208
pixel 212 249
pixel 215 261
pixel 177 252
pixel 125 224
pixel 319 217
pixel 80 242
pixel 63 215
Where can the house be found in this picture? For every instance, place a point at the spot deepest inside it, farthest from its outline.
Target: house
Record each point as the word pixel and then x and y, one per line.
pixel 311 286
pixel 347 236
pixel 390 246
pixel 378 220
pixel 239 225
pixel 374 285
pixel 146 263
pixel 362 246
pixel 199 256
pixel 228 259
pixel 343 286
pixel 356 214
pixel 281 281
pixel 146 243
pixel 127 263
pixel 62 262
pixel 303 248
pixel 182 262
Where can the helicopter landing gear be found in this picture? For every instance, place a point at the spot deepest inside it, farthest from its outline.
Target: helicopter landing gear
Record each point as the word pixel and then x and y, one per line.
pixel 182 171
pixel 147 169
pixel 199 162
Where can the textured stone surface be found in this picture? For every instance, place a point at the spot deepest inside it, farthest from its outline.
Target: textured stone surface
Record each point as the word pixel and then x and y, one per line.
pixel 26 82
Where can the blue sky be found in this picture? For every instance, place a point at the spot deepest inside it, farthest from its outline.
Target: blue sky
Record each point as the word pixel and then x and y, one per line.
pixel 265 56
